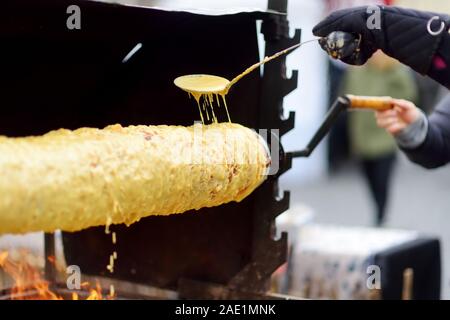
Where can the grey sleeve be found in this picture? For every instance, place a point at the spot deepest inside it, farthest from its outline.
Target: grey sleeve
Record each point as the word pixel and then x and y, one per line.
pixel 414 135
pixel 434 151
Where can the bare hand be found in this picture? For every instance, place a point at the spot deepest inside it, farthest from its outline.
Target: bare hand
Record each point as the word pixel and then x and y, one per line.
pixel 399 117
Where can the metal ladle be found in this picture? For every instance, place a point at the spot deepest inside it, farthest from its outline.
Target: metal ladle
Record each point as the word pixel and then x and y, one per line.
pixel 211 84
pixel 337 44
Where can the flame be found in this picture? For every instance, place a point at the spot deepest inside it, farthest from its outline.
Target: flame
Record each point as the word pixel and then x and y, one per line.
pixel 30 285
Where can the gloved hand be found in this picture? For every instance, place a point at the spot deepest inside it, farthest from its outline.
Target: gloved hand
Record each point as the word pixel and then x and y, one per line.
pixel 403 33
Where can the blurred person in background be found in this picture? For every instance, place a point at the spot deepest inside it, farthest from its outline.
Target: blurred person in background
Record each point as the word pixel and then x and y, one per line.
pixel 373 147
pixel 338 142
pixel 420 40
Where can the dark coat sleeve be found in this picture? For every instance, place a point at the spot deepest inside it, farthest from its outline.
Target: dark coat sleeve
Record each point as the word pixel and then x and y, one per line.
pixel 418 39
pixel 440 67
pixel 435 150
pixel 407 38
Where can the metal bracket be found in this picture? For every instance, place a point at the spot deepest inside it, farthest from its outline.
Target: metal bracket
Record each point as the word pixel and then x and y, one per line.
pixel 49 251
pixel 341 104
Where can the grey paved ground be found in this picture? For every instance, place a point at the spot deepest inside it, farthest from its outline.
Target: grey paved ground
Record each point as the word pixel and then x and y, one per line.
pixel 420 201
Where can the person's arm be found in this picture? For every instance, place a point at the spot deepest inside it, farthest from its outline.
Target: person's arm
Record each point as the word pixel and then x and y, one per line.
pixel 425 141
pixel 418 39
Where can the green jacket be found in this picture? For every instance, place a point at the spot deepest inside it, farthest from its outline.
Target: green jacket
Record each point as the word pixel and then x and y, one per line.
pixel 367 140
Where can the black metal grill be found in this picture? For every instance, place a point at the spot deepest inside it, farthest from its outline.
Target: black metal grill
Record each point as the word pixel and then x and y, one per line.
pixel 53 77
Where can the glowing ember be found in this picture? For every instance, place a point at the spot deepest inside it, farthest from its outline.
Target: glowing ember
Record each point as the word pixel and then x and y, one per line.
pixel 30 285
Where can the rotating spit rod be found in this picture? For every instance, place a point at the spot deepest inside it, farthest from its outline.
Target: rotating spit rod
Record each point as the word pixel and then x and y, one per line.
pixel 348 102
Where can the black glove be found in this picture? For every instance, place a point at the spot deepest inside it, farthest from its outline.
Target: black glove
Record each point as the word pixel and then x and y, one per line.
pixel 403 33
